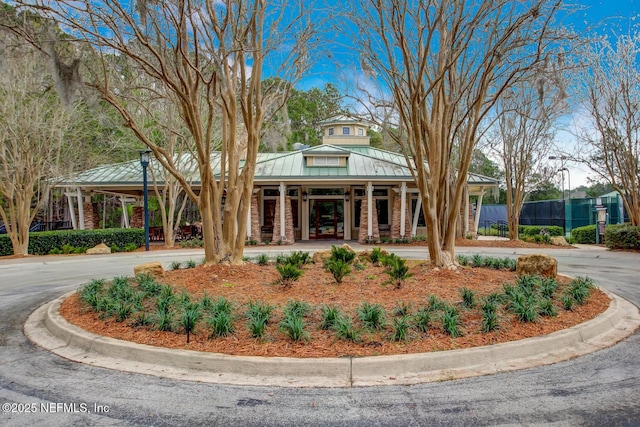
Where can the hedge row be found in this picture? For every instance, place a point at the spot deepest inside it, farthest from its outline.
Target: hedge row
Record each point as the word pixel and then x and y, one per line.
pixel 535 230
pixel 622 236
pixel 42 243
pixel 584 235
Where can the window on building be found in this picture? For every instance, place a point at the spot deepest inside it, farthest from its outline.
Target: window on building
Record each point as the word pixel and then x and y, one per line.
pixel 360 132
pixel 330 131
pixel 326 161
pixel 346 130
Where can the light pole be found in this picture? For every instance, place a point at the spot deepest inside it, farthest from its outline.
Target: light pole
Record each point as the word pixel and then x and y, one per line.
pixel 562 168
pixel 569 180
pixel 144 161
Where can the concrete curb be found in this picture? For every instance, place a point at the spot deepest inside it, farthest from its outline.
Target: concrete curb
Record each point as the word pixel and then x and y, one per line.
pixel 48 329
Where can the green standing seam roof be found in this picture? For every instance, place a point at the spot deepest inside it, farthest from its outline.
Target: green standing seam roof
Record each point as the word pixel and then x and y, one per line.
pixel 363 162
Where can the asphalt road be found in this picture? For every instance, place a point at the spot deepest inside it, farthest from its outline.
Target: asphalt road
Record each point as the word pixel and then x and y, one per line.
pixel 39 388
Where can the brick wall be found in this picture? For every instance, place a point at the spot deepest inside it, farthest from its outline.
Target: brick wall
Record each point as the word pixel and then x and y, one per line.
pixel 137 217
pixel 395 218
pixel 289 238
pixel 91 218
pixel 256 234
pixel 362 235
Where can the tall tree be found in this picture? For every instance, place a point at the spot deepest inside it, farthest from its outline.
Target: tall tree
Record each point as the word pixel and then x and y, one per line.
pixel 609 93
pixel 210 57
pixel 444 63
pixel 35 142
pixel 523 134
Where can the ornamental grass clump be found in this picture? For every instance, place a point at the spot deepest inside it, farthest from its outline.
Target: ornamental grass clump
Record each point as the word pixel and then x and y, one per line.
pixel 372 316
pixel 451 321
pixel 401 327
pixel 422 319
pixel 148 284
pixel 258 315
pixel 489 315
pixel 346 330
pixel 190 315
pixel 468 298
pixel 330 316
pixel 296 308
pixel 294 326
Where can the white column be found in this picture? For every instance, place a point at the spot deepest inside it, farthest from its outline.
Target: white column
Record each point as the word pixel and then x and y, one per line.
pixel 403 207
pixel 478 207
pixel 80 210
pixel 416 215
pixel 249 216
pixel 466 215
pixel 72 210
pixel 369 210
pixel 125 216
pixel 283 190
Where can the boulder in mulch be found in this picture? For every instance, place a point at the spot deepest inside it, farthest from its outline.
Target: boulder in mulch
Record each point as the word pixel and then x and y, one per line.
pixel 537 265
pixel 559 241
pixel 154 269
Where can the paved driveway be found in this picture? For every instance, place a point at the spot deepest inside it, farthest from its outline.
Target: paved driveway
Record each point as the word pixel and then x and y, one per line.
pixel 38 388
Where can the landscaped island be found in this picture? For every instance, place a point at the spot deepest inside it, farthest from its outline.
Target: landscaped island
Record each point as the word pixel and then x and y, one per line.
pixel 343 304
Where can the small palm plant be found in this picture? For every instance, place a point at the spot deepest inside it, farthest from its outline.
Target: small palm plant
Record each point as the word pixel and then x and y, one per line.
pixel 289 273
pixel 397 269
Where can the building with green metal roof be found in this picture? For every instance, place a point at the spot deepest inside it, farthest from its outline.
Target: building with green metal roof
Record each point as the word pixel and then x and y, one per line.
pixel 342 189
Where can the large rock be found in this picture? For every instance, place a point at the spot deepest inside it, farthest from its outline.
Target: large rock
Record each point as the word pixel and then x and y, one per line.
pixel 559 241
pixel 537 265
pixel 99 250
pixel 154 269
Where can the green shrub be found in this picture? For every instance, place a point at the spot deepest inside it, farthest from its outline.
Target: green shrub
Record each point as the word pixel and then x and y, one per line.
pixel 262 259
pixel 375 256
pixel 397 269
pixel 192 243
pixel 622 236
pixel 42 243
pixel 289 273
pixel 584 235
pixel 539 230
pixel 343 254
pixel 298 258
pixel 338 268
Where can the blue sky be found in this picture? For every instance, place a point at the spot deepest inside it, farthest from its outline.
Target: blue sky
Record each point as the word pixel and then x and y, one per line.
pixel 601 17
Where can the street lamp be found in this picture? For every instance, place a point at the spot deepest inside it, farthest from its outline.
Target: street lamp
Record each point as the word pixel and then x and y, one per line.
pixel 562 168
pixel 144 161
pixel 569 181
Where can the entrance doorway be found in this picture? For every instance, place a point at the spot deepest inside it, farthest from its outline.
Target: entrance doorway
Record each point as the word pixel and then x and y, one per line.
pixel 326 219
